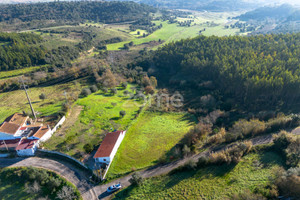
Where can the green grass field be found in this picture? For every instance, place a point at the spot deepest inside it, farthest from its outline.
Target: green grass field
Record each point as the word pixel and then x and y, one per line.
pixel 98 115
pixel 212 182
pixel 173 32
pixel 149 138
pixel 17 72
pixel 16 101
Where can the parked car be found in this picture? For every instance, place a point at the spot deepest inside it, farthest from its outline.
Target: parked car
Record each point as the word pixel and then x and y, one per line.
pixel 114 188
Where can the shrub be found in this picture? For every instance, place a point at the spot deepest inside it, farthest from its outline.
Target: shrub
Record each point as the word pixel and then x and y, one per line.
pixel 126 92
pixel 85 92
pixel 218 138
pixel 114 91
pixel 149 90
pixel 66 193
pixel 42 96
pixel 105 90
pixel 122 113
pixel 289 146
pixel 124 85
pixel 186 150
pixel 93 88
pixel 88 148
pixel 191 164
pixel 136 179
pixel 232 154
pixel 203 161
pixel 288 182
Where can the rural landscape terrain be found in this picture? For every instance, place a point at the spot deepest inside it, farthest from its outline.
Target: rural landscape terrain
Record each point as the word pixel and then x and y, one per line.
pixel 144 99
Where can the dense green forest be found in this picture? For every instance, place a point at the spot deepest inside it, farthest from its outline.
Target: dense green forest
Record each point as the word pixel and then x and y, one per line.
pixel 256 73
pixel 107 12
pixel 20 50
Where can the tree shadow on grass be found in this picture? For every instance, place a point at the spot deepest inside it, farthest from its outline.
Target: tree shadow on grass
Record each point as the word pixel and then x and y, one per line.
pixel 115 118
pixel 191 119
pixel 271 158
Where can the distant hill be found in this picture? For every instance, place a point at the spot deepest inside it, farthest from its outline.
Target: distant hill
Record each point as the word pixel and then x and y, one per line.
pixel 279 19
pixel 108 12
pixel 277 13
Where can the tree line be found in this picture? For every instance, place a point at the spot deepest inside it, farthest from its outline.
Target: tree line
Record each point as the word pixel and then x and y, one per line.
pixel 106 12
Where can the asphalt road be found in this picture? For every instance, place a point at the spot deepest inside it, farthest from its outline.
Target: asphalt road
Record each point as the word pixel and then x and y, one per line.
pixel 90 192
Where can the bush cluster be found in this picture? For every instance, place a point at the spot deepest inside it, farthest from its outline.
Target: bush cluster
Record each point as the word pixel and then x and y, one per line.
pixel 41 182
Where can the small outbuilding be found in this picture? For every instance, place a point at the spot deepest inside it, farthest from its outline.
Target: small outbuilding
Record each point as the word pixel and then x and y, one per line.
pixel 27 147
pixel 109 146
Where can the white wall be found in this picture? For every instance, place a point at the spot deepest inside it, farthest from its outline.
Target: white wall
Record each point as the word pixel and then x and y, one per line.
pixel 115 149
pixel 27 152
pixel 47 136
pixel 103 160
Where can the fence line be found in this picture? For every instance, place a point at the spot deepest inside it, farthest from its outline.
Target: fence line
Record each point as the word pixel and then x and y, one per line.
pixel 61 121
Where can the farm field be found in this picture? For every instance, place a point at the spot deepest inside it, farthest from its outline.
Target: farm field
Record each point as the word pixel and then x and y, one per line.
pixel 150 138
pixel 18 72
pixel 212 182
pixel 100 114
pixel 173 32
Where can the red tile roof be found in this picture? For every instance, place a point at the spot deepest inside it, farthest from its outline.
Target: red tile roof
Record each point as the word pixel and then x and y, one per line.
pixel 11 144
pixel 9 128
pixel 41 132
pixel 17 118
pixel 107 144
pixel 26 144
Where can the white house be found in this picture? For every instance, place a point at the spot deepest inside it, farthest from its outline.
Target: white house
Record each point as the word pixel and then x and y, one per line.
pixel 109 146
pixel 27 147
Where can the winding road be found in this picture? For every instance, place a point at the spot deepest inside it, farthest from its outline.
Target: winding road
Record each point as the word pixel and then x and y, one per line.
pixel 91 192
pixel 66 170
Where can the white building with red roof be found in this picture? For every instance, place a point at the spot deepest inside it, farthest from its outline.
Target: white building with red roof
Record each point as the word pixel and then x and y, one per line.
pixel 17 132
pixel 109 147
pixel 27 147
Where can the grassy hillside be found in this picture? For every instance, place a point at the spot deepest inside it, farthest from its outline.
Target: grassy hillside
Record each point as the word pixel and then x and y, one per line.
pixel 214 182
pixel 174 32
pixel 16 101
pixel 150 138
pixel 100 113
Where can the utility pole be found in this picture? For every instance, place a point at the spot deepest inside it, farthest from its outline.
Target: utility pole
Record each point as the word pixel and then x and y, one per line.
pixel 32 110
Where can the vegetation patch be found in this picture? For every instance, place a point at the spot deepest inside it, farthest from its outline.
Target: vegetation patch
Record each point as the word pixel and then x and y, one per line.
pixel 253 173
pixel 30 183
pixel 101 113
pixel 152 136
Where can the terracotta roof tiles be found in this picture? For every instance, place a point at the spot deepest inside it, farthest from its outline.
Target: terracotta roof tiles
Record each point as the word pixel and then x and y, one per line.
pixel 107 144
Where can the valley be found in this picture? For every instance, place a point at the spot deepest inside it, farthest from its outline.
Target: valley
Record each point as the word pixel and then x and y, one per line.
pixel 172 101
